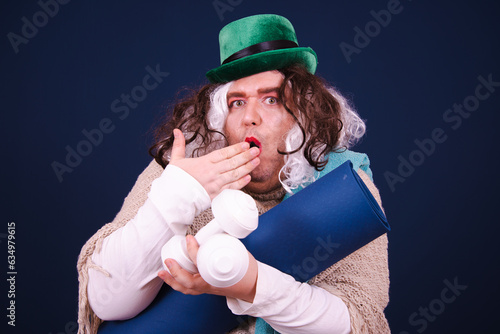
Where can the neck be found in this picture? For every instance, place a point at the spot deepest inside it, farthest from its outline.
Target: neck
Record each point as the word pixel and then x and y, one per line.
pixel 263 186
pixel 273 194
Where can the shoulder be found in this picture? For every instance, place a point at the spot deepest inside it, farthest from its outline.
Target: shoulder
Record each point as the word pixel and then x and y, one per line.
pixel 358 160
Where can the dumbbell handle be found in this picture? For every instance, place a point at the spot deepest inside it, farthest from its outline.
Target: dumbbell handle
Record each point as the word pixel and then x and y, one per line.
pixel 176 249
pixel 207 231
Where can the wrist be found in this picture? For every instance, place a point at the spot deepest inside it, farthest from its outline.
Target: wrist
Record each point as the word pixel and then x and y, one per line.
pixel 246 288
pixel 178 192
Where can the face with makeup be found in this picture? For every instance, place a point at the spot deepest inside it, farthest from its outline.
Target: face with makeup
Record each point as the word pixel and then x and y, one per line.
pixel 256 115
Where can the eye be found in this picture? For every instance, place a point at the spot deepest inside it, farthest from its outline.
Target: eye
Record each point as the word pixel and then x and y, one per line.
pixel 271 100
pixel 236 103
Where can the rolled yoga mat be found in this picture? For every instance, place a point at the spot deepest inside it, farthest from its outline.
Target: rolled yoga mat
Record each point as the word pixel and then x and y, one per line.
pixel 320 225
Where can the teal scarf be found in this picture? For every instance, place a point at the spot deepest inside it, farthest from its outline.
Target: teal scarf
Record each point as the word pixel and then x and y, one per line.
pixel 359 161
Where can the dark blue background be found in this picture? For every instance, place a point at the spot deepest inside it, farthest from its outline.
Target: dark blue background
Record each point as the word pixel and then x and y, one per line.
pixel 426 59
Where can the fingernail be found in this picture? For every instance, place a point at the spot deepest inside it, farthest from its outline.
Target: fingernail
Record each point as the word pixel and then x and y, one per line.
pixel 255 162
pixel 245 145
pixel 255 151
pixel 168 263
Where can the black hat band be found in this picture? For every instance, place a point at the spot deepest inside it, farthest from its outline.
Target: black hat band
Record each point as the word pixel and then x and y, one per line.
pixel 261 47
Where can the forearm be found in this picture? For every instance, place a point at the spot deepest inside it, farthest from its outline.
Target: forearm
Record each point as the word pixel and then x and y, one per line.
pixel 293 307
pixel 131 254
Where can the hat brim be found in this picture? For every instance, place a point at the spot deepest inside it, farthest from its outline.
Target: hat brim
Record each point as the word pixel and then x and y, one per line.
pixel 264 61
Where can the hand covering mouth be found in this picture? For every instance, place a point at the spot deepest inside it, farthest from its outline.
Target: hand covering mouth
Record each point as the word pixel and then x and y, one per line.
pixel 254 142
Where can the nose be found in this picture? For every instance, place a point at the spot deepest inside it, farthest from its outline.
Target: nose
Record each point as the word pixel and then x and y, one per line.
pixel 252 115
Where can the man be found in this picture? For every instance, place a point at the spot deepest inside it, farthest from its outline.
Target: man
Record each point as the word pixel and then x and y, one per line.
pixel 267 125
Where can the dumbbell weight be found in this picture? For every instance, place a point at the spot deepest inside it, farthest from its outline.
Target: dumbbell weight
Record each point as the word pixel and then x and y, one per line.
pixel 222 259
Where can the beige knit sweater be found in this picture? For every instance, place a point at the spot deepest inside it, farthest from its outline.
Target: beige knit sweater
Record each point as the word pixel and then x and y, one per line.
pixel 361 279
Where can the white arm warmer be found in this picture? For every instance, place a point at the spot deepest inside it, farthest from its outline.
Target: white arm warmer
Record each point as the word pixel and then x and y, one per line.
pixel 293 307
pixel 131 254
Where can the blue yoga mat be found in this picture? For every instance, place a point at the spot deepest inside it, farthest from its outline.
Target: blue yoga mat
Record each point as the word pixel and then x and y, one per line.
pixel 320 225
pixel 176 313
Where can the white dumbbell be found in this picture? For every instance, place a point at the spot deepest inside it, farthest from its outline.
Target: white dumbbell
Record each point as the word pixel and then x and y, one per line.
pixel 222 259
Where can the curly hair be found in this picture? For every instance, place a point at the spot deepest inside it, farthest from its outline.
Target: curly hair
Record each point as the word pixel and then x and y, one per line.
pixel 324 123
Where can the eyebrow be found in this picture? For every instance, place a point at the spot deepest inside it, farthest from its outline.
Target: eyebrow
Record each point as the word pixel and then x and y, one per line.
pixel 268 90
pixel 260 91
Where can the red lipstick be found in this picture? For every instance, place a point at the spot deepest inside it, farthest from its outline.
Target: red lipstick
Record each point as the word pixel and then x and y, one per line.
pixel 254 142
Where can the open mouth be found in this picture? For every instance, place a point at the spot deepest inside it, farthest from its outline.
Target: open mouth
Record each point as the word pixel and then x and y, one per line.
pixel 254 142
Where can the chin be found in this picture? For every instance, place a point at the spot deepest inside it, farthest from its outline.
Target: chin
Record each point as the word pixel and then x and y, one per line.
pixel 263 182
pixel 260 174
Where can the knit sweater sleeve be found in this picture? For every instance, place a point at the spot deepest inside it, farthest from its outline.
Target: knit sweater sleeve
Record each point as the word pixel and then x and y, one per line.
pixel 361 280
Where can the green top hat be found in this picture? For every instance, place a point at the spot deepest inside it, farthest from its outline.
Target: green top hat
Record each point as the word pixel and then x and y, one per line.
pixel 257 44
